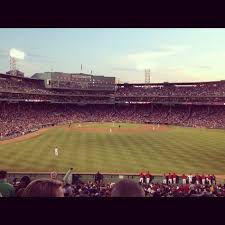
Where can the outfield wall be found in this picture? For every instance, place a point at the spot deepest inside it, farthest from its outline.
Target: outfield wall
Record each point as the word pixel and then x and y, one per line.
pixel 85 177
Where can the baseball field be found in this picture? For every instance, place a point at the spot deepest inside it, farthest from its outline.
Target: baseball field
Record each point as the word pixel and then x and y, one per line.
pixel 131 148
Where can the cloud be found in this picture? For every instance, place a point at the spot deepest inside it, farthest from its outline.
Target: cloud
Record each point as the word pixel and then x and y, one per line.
pixel 150 58
pixel 162 51
pixel 126 69
pixel 204 67
pixel 4 53
pixel 38 56
pixel 30 68
pixel 42 60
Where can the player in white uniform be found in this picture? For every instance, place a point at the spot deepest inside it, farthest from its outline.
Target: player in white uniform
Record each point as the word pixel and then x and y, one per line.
pixel 56 152
pixel 110 130
pixel 190 178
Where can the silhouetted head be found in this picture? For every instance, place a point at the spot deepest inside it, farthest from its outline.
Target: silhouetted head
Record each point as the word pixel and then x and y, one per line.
pixel 3 174
pixel 25 180
pixel 44 188
pixel 127 188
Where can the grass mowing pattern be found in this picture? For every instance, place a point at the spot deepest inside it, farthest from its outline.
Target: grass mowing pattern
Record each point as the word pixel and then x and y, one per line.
pixel 178 149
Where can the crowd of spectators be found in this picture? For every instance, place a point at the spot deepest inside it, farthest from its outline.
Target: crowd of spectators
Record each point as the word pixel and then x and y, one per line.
pixel 53 98
pixel 12 84
pixel 214 89
pixel 32 86
pixel 194 186
pixel 19 119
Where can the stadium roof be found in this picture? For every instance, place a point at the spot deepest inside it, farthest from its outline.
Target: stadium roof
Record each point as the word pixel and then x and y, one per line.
pixel 168 83
pixel 22 78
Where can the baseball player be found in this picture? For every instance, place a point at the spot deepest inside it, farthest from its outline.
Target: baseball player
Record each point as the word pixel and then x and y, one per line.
pixel 56 152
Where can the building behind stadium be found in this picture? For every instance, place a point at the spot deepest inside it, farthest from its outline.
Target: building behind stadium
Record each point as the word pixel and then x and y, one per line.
pixel 79 81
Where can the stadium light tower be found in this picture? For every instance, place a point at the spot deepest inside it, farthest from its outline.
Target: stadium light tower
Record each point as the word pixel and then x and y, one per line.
pixel 147 76
pixel 117 80
pixel 15 54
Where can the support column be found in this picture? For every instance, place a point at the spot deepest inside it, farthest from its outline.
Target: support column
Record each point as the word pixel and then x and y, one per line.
pixel 152 108
pixel 189 110
pixel 3 107
pixel 148 109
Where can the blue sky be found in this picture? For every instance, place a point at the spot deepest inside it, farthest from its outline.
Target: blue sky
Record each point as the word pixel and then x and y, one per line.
pixel 173 55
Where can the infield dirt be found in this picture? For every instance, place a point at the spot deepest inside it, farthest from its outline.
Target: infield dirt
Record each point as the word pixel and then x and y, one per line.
pixel 138 129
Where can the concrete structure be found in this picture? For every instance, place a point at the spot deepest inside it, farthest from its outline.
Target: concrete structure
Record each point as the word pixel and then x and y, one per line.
pixel 79 81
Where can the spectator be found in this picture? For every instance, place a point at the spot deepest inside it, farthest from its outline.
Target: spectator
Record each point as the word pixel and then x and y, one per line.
pixel 213 179
pixel 24 181
pixel 190 179
pixel 174 178
pixel 68 190
pixel 142 177
pixel 164 179
pixel 203 179
pixel 148 177
pixel 194 179
pixel 44 188
pixel 170 178
pixel 208 179
pixel 6 189
pixel 68 177
pixel 98 178
pixel 127 188
pixel 184 179
pixel 53 175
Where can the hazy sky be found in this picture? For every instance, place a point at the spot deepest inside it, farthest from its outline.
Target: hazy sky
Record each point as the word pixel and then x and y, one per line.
pixel 171 54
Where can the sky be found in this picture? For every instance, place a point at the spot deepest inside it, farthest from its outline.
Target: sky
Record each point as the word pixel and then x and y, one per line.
pixel 172 55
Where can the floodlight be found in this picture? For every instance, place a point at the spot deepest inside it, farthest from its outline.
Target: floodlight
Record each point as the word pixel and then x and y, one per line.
pixel 14 53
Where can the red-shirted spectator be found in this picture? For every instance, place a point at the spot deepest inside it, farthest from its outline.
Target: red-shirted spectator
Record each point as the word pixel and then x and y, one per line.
pixel 184 179
pixel 211 179
pixel 186 188
pixel 198 179
pixel 208 179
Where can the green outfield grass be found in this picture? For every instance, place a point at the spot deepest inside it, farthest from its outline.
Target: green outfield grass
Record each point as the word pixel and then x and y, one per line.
pixel 178 149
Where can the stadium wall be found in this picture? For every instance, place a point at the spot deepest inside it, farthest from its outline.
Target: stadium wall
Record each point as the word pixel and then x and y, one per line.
pixel 85 177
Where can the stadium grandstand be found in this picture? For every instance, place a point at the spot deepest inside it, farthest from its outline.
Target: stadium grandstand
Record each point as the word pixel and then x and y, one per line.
pixel 52 98
pixel 184 104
